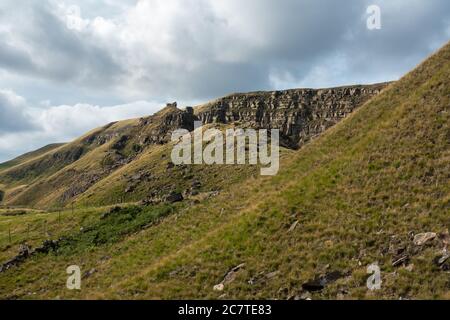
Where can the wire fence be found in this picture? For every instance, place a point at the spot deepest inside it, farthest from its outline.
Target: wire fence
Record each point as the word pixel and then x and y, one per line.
pixel 36 230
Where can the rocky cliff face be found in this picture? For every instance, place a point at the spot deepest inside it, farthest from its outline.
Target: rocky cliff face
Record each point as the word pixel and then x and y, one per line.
pixel 157 129
pixel 300 114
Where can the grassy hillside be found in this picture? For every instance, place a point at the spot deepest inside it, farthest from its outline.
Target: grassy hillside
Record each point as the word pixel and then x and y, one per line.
pixel 32 179
pixel 359 194
pixel 46 164
pixel 29 156
pixel 56 178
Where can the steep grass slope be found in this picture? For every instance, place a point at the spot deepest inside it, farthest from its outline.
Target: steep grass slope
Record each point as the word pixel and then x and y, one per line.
pixel 359 194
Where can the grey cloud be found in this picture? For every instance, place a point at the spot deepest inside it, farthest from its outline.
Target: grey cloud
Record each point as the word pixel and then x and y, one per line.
pixel 13 115
pixel 13 59
pixel 296 37
pixel 410 31
pixel 41 46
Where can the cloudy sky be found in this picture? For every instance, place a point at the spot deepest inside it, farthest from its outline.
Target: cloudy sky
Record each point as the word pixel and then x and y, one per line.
pixel 66 69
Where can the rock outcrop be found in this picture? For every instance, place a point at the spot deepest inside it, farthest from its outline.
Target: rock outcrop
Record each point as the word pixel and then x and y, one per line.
pixel 157 129
pixel 300 114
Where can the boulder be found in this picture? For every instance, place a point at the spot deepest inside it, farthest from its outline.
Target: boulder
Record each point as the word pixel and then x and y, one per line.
pixel 293 226
pixel 273 274
pixel 229 277
pixel 319 283
pixel 400 260
pixel 89 273
pixel 24 250
pixel 130 188
pixel 219 287
pixel 422 238
pixel 173 197
pixel 443 261
pixel 170 165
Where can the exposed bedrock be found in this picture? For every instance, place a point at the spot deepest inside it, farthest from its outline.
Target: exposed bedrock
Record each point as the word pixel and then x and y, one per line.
pixel 299 114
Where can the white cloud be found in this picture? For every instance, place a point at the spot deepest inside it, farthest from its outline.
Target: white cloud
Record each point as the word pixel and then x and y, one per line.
pixel 14 114
pixel 63 123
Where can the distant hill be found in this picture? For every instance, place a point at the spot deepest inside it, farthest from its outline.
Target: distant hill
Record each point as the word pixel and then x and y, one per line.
pixel 28 156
